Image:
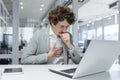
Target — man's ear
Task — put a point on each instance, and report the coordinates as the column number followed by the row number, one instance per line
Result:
column 52, row 25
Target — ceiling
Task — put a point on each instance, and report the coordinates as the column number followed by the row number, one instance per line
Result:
column 32, row 8
column 95, row 9
column 92, row 9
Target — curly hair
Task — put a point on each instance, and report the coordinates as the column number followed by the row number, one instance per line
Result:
column 61, row 13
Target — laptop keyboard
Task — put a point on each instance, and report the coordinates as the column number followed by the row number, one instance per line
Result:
column 72, row 70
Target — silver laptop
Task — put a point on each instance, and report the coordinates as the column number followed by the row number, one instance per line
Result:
column 98, row 57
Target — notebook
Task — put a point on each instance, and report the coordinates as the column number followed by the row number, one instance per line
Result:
column 99, row 57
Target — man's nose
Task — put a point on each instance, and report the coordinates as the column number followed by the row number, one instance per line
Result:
column 64, row 30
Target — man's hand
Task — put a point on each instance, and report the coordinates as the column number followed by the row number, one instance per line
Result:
column 59, row 51
column 66, row 39
column 51, row 52
column 54, row 51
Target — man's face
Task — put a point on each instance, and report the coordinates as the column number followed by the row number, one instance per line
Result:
column 60, row 27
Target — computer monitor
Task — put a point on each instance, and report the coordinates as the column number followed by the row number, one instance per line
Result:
column 86, row 44
column 7, row 41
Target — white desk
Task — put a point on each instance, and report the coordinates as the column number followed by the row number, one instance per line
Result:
column 41, row 72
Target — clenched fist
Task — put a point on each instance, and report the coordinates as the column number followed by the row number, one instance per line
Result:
column 66, row 39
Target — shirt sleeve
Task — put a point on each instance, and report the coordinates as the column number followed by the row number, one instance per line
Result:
column 74, row 55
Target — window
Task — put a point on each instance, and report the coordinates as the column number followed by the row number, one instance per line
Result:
column 111, row 32
column 91, row 34
column 99, row 33
column 84, row 35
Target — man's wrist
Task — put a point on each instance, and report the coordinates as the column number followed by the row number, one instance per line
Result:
column 70, row 47
column 49, row 56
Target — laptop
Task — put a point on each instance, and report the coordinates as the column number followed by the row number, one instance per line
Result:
column 99, row 57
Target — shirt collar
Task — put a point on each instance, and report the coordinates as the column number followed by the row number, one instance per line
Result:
column 51, row 33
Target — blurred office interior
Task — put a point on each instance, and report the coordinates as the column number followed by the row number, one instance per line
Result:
column 19, row 19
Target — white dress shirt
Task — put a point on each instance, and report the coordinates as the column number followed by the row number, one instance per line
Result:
column 54, row 40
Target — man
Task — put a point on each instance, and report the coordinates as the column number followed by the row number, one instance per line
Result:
column 53, row 45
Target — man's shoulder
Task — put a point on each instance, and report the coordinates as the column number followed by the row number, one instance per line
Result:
column 42, row 30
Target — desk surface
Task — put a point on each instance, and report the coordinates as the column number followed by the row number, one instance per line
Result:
column 41, row 72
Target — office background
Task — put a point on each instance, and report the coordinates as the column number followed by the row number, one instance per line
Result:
column 96, row 20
